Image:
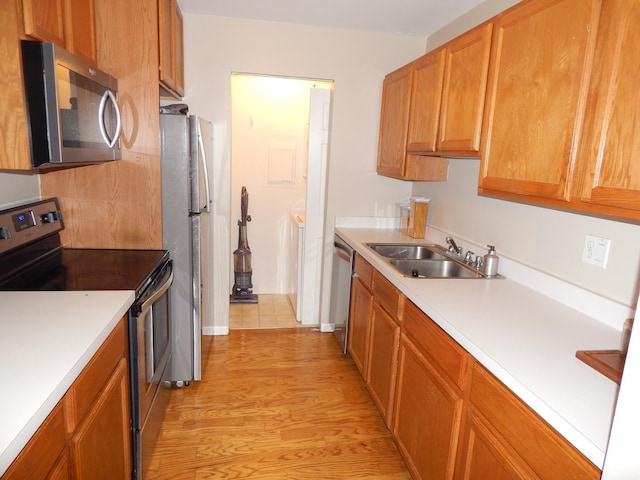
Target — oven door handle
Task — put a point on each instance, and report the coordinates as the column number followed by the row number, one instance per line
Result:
column 157, row 294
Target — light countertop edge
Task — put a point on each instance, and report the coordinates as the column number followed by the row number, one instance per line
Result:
column 47, row 340
column 526, row 339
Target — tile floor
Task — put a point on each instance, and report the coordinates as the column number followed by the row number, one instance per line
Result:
column 271, row 311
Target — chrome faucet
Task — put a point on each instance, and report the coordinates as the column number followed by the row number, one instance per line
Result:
column 453, row 246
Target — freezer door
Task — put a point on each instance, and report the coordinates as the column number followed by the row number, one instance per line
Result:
column 201, row 136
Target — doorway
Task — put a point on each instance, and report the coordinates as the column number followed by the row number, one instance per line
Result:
column 279, row 145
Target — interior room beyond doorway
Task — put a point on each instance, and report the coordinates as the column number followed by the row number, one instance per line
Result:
column 270, row 156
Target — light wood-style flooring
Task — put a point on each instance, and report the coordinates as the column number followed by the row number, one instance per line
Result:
column 275, row 404
column 271, row 311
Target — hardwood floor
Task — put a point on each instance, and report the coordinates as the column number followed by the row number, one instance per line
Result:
column 275, row 404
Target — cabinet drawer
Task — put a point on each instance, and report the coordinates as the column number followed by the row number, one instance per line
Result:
column 364, row 270
column 436, row 343
column 541, row 447
column 387, row 295
column 91, row 380
column 42, row 451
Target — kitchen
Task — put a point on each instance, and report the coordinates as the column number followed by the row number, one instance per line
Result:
column 550, row 240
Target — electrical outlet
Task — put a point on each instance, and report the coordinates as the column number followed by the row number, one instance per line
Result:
column 596, row 251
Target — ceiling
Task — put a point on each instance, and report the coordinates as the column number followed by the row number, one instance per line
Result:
column 406, row 17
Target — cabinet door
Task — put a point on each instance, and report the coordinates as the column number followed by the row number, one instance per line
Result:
column 612, row 144
column 166, row 33
column 428, row 75
column 178, row 45
column 44, row 19
column 427, row 415
column 542, row 53
column 101, row 445
column 484, row 455
column 394, row 122
column 463, row 93
column 383, row 361
column 80, row 29
column 359, row 321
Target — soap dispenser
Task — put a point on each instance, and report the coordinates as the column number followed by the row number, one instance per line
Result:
column 491, row 262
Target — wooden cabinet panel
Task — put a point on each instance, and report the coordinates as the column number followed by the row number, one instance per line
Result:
column 542, row 54
column 548, row 454
column 383, row 361
column 44, row 19
column 95, row 375
column 388, row 296
column 428, row 78
column 359, row 322
column 394, row 122
column 611, row 144
column 427, row 415
column 37, row 459
column 166, row 32
column 484, row 454
column 100, row 448
column 463, row 91
column 178, row 40
column 363, row 270
column 450, row 357
column 171, row 44
column 80, row 29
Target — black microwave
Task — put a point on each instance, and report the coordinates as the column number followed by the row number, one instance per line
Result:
column 72, row 108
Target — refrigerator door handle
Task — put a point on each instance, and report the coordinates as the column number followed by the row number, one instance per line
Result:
column 206, row 208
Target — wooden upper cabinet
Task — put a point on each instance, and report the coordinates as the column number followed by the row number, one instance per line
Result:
column 541, row 60
column 428, row 77
column 67, row 23
column 393, row 158
column 44, row 19
column 80, row 30
column 170, row 31
column 463, row 91
column 611, row 144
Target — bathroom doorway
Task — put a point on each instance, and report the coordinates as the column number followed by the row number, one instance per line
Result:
column 279, row 145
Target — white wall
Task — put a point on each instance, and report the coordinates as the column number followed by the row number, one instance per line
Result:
column 356, row 61
column 18, row 188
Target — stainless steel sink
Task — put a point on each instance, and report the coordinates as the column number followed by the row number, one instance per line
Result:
column 435, row 269
column 425, row 261
column 408, row 251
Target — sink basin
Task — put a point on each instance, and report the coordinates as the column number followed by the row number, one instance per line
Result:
column 408, row 251
column 435, row 269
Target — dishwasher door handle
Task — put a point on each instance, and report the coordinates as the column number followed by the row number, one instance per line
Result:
column 342, row 251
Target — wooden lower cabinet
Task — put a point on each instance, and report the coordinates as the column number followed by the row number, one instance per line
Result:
column 528, row 445
column 383, row 360
column 360, row 314
column 87, row 435
column 100, row 447
column 427, row 415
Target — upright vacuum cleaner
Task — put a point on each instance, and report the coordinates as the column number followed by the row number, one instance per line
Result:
column 242, row 287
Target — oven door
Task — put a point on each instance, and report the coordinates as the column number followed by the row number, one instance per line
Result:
column 150, row 358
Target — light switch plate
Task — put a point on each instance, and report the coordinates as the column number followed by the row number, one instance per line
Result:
column 596, row 250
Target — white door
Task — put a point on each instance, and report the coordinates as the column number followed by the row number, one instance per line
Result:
column 319, row 115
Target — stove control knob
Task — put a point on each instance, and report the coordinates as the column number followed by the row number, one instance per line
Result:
column 5, row 233
column 50, row 217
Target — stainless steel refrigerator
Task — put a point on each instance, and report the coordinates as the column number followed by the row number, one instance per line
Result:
column 186, row 144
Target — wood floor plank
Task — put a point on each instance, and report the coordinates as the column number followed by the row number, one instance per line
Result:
column 275, row 404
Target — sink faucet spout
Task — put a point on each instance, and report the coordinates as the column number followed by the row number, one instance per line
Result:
column 453, row 246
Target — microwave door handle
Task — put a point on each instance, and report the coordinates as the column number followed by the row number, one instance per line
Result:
column 202, row 155
column 108, row 96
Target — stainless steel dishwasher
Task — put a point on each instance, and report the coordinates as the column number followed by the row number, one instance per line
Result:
column 343, row 256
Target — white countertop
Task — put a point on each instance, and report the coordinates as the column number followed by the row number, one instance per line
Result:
column 46, row 339
column 525, row 338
